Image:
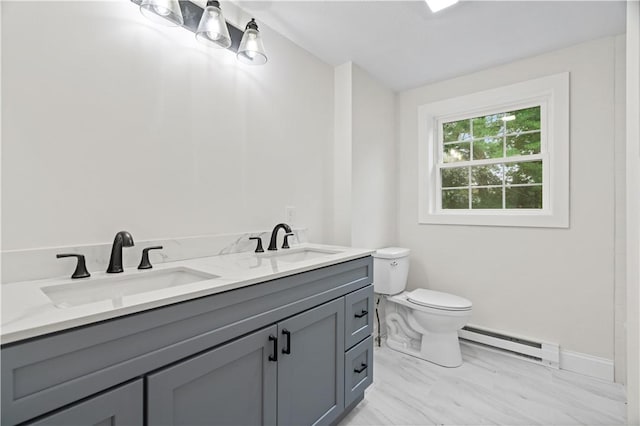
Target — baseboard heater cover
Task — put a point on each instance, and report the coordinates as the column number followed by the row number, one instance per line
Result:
column 536, row 351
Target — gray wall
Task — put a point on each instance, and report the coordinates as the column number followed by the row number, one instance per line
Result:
column 111, row 122
column 364, row 203
column 633, row 211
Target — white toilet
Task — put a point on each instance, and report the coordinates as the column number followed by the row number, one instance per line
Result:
column 423, row 323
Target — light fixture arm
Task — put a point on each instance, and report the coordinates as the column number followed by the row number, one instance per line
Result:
column 192, row 13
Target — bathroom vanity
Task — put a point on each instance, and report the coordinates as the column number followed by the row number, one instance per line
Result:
column 292, row 348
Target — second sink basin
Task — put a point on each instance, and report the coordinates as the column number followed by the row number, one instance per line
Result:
column 300, row 254
column 115, row 287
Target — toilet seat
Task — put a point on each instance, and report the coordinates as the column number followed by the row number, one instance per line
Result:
column 438, row 300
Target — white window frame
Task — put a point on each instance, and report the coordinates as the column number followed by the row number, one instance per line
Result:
column 552, row 94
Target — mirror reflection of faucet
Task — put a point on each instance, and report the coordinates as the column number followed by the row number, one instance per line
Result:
column 257, row 260
column 117, row 302
column 258, row 263
column 274, row 265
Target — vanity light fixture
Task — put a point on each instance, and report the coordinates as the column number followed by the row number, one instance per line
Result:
column 251, row 50
column 438, row 5
column 212, row 29
column 209, row 26
column 164, row 12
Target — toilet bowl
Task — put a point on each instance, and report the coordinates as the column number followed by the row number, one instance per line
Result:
column 437, row 326
column 423, row 323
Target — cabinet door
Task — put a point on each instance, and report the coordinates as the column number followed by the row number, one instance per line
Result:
column 122, row 406
column 311, row 366
column 234, row 384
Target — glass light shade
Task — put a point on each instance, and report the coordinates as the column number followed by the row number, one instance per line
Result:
column 164, row 12
column 251, row 50
column 212, row 29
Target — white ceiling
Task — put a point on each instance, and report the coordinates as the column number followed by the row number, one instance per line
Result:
column 404, row 45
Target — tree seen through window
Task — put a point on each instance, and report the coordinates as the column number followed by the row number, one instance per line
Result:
column 485, row 165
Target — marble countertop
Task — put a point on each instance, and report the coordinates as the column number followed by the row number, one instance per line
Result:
column 28, row 312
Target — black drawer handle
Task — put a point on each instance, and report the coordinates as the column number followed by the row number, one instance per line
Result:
column 363, row 367
column 287, row 349
column 274, row 339
column 361, row 314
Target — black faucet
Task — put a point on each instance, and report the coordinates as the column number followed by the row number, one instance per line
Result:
column 274, row 235
column 122, row 239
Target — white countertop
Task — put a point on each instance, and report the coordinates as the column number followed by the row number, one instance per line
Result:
column 28, row 312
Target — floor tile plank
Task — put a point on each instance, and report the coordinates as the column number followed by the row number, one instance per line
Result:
column 489, row 388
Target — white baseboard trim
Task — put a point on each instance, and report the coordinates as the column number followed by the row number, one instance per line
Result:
column 588, row 365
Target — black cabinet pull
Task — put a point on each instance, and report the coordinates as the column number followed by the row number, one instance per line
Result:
column 363, row 367
column 287, row 349
column 274, row 339
column 81, row 266
column 361, row 314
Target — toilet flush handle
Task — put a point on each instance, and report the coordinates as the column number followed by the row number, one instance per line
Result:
column 394, row 263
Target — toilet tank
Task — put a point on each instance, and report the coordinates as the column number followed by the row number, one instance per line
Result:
column 390, row 270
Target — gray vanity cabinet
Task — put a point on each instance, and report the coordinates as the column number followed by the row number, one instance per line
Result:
column 121, row 406
column 311, row 366
column 238, row 383
column 206, row 361
column 234, row 384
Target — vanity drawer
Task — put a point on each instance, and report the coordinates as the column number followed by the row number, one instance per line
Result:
column 358, row 374
column 358, row 320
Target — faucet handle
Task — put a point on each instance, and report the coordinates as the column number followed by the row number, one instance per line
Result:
column 285, row 243
column 144, row 262
column 81, row 266
column 259, row 248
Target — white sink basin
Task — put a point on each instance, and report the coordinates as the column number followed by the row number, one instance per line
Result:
column 300, row 254
column 116, row 287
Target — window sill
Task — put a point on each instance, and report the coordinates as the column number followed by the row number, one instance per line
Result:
column 488, row 218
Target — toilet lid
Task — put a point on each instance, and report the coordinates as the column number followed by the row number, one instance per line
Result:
column 391, row 253
column 439, row 300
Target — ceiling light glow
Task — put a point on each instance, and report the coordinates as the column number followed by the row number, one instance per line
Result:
column 438, row 5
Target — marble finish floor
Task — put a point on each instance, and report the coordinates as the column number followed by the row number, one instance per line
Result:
column 489, row 388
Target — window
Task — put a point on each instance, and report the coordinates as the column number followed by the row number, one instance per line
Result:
column 498, row 157
column 492, row 162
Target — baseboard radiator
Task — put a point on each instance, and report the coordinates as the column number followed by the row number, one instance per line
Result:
column 535, row 351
